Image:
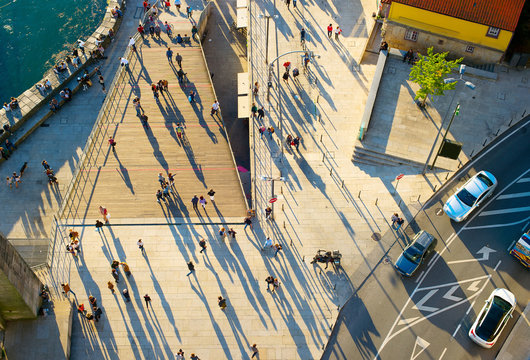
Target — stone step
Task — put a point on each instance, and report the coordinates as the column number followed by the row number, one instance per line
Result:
column 382, row 158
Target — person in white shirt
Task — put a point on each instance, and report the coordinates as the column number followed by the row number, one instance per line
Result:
column 215, row 107
column 132, row 44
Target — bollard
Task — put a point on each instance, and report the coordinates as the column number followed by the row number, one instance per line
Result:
column 283, row 208
column 320, row 138
column 323, row 157
column 510, row 123
column 303, row 258
column 376, row 201
column 291, row 242
column 471, row 155
column 343, row 184
column 359, row 196
column 331, row 172
column 320, row 117
column 281, row 190
column 284, row 224
column 497, row 133
column 434, row 190
column 524, row 112
column 399, row 205
column 419, row 197
column 446, row 176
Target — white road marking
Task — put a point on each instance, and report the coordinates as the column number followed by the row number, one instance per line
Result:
column 513, row 196
column 504, row 211
column 422, row 343
column 475, row 280
column 470, row 307
column 525, row 225
column 457, row 328
column 473, row 286
column 449, row 294
column 485, row 251
column 407, row 321
column 419, row 277
column 443, row 353
column 523, row 180
column 497, row 225
column 432, row 259
column 424, row 299
column 449, row 241
column 496, row 266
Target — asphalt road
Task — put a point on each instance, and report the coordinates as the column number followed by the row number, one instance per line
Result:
column 428, row 316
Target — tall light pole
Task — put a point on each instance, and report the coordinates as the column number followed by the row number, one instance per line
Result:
column 470, row 85
column 272, row 179
column 268, row 17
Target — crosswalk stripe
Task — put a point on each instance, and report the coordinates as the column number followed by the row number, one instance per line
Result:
column 512, row 196
column 505, row 211
column 523, row 180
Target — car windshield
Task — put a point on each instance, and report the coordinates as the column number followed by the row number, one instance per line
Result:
column 466, row 197
column 412, row 254
column 490, row 325
column 486, row 180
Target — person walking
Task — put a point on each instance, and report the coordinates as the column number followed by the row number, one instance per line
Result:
column 285, row 77
column 189, row 12
column 110, row 285
column 147, row 300
column 330, row 30
column 202, row 244
column 161, row 179
column 268, row 213
column 194, row 357
column 191, row 267
column 140, row 245
column 132, row 44
column 191, row 97
column 126, row 268
column 93, row 301
column 294, row 5
column 203, row 202
column 115, row 275
column 394, row 218
column 232, row 233
column 211, row 194
column 254, row 110
column 180, row 355
column 177, row 5
column 302, row 35
column 270, row 281
column 159, row 196
column 338, row 31
column 66, row 289
column 288, row 2
column 248, row 222
column 97, row 313
column 169, row 54
column 215, row 108
column 178, row 58
column 256, row 89
column 222, row 233
column 104, row 212
column 221, row 302
column 254, row 347
column 270, row 130
column 278, row 247
column 261, row 113
column 126, row 295
column 268, row 243
column 275, row 284
column 171, row 179
column 195, row 201
column 112, row 144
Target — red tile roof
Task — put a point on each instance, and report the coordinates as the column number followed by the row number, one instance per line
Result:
column 503, row 14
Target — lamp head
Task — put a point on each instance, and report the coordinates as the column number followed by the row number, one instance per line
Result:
column 470, row 85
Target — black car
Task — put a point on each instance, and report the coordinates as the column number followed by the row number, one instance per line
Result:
column 422, row 246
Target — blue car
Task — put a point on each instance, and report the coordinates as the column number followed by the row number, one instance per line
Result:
column 421, row 247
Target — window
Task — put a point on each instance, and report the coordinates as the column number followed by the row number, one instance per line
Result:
column 411, row 35
column 493, row 32
column 470, row 49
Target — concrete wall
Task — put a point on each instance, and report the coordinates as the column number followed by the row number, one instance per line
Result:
column 394, row 35
column 19, row 286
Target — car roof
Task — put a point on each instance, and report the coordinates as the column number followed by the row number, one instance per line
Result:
column 423, row 238
column 475, row 186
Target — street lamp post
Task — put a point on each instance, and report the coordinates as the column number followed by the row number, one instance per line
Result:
column 455, row 112
column 272, row 179
column 268, row 17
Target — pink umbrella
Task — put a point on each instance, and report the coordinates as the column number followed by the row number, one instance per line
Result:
column 242, row 169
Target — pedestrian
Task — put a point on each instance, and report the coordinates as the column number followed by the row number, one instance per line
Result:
column 125, row 63
column 179, row 355
column 278, row 247
column 189, row 12
column 275, row 284
column 99, row 225
column 97, row 313
column 302, row 33
column 294, row 5
column 248, row 222
column 126, row 295
column 338, row 31
column 140, row 245
column 178, row 58
column 261, row 130
column 104, row 212
column 285, row 77
column 288, row 2
column 261, row 113
column 126, row 268
column 166, row 192
column 112, row 144
column 296, row 142
column 161, row 179
column 89, row 316
column 102, row 82
column 45, row 165
column 5, row 153
column 222, row 232
column 9, row 182
column 394, row 219
column 147, row 300
column 169, row 54
column 400, row 222
column 171, row 179
column 71, row 250
column 270, row 130
column 191, row 267
column 211, row 194
column 93, row 301
column 66, row 288
column 254, row 347
column 221, row 302
column 202, row 244
column 141, row 30
column 177, row 5
column 296, row 72
column 268, row 213
column 81, row 308
column 132, row 44
column 232, row 233
column 194, row 33
column 330, row 30
column 215, row 108
column 115, row 275
column 115, row 264
column 254, row 110
column 203, row 202
column 270, row 281
column 75, row 245
column 110, row 285
column 268, row 243
column 256, row 89
column 194, row 357
column 191, row 97
column 159, row 196
column 9, row 146
column 195, row 201
column 180, row 131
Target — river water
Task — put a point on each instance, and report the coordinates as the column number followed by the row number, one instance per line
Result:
column 34, row 34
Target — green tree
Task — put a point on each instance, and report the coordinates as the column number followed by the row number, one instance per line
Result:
column 429, row 73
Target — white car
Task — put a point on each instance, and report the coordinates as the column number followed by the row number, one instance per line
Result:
column 492, row 318
column 469, row 196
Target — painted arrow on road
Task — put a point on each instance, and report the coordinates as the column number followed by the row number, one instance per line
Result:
column 485, row 252
column 419, row 304
column 422, row 344
column 449, row 294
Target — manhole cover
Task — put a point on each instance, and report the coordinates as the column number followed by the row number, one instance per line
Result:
column 386, row 261
column 439, row 211
column 376, row 236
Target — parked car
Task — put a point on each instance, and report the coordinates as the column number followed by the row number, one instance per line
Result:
column 521, row 250
column 470, row 195
column 421, row 247
column 493, row 318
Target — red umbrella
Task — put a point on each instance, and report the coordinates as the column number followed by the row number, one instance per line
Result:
column 287, row 63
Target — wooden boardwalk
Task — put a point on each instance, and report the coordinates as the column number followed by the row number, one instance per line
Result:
column 125, row 182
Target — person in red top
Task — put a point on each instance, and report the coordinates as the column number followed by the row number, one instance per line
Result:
column 141, row 30
column 330, row 30
column 146, row 6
